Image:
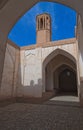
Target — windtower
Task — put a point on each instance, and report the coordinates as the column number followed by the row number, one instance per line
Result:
column 43, row 28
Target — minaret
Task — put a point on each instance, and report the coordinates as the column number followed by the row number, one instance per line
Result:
column 43, row 28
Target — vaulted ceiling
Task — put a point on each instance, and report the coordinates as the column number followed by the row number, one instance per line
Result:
column 2, row 3
column 12, row 10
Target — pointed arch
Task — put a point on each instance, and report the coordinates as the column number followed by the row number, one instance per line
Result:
column 55, row 53
column 53, row 61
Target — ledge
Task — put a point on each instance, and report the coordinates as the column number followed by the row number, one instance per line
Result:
column 50, row 44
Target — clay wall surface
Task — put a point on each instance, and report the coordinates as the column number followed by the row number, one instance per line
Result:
column 43, row 36
column 32, row 58
column 10, row 71
column 22, row 74
column 30, row 73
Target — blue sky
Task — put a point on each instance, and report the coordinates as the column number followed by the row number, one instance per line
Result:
column 63, row 23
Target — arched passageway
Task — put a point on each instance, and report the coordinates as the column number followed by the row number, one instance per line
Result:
column 66, row 80
column 60, row 73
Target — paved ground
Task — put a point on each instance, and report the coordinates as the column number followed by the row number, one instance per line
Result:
column 66, row 98
column 49, row 115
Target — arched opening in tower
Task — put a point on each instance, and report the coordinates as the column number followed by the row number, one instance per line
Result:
column 41, row 23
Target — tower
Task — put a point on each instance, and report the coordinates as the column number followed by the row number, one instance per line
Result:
column 43, row 28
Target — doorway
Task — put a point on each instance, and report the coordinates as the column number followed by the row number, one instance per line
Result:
column 65, row 80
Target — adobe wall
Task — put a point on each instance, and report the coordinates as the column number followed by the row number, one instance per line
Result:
column 80, row 55
column 10, row 71
column 30, row 74
column 22, row 74
column 32, row 58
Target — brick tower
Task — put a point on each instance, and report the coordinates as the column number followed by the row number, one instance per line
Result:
column 43, row 28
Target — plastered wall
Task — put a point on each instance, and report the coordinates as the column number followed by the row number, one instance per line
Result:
column 23, row 68
column 31, row 61
column 10, row 71
column 30, row 74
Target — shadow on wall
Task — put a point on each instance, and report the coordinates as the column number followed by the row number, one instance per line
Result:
column 14, row 72
column 13, row 77
column 29, row 81
column 9, row 72
column 30, row 89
